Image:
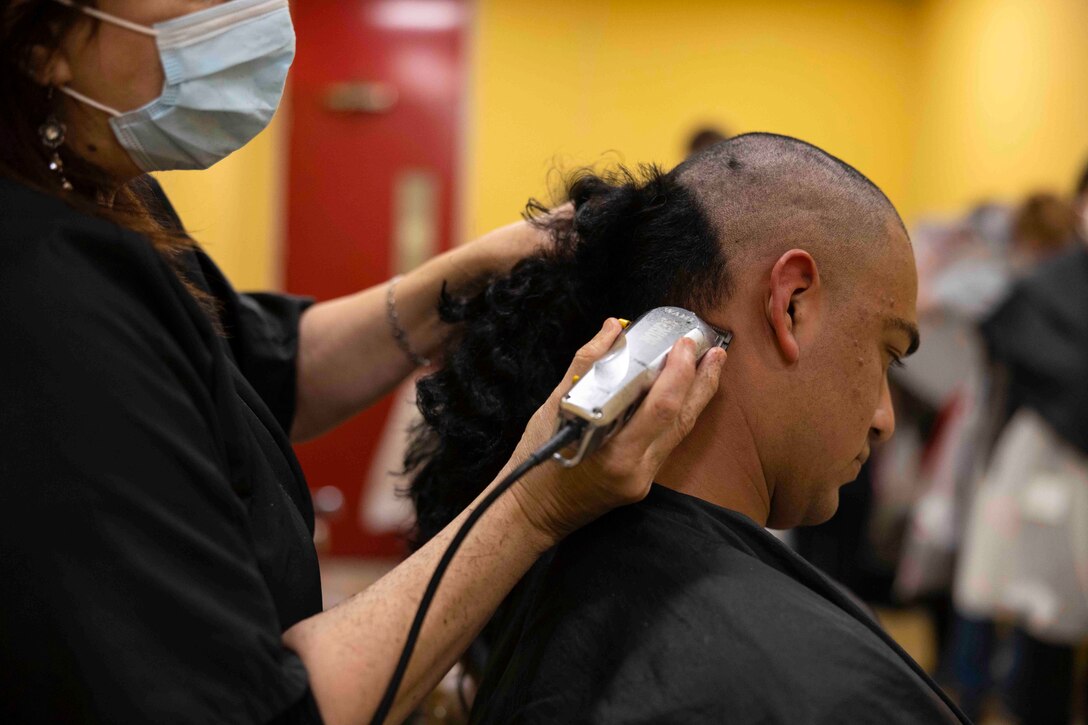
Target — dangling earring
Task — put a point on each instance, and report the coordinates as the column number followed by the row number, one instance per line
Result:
column 52, row 134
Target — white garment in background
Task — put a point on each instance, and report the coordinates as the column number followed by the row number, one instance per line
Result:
column 1025, row 552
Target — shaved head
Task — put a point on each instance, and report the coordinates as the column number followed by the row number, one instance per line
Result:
column 764, row 194
column 818, row 284
column 794, row 251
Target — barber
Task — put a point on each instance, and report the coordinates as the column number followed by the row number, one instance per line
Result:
column 155, row 529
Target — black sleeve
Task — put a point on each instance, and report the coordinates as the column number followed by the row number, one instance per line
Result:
column 262, row 328
column 262, row 332
column 131, row 587
column 264, row 341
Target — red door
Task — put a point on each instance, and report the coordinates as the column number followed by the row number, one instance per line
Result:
column 377, row 89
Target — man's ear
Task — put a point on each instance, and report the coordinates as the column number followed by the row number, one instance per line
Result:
column 795, row 283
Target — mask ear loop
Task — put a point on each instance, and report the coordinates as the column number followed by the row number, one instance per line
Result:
column 89, row 101
column 113, row 19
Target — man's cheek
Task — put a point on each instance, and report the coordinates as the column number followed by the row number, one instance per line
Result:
column 860, row 402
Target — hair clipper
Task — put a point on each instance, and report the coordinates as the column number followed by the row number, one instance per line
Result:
column 606, row 397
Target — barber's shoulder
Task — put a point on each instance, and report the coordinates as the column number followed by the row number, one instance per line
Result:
column 68, row 276
column 45, row 240
column 28, row 214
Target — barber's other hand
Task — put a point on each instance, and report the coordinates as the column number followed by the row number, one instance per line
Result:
column 499, row 250
column 559, row 500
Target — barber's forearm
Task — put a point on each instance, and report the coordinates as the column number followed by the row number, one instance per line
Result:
column 348, row 357
column 351, row 650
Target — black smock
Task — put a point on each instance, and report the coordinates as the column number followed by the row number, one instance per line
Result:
column 155, row 527
column 675, row 610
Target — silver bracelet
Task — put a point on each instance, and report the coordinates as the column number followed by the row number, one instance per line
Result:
column 394, row 323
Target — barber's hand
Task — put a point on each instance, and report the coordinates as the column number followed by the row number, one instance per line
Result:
column 499, row 250
column 559, row 500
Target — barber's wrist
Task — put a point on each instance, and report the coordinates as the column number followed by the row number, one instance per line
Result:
column 530, row 517
column 554, row 505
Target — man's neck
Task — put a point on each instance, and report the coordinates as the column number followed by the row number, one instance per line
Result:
column 718, row 462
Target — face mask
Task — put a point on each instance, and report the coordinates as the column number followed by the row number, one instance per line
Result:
column 225, row 69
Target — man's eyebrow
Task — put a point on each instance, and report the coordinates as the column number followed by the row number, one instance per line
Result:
column 898, row 323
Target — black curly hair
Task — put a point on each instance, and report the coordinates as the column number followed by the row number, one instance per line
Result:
column 636, row 240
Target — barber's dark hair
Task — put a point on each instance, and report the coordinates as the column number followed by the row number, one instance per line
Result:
column 30, row 26
column 636, row 240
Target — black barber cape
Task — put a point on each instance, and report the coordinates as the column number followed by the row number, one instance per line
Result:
column 155, row 528
column 1039, row 335
column 675, row 610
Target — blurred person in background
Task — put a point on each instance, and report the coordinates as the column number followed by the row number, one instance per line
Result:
column 1024, row 555
column 1044, row 226
column 705, row 137
column 1080, row 205
column 893, row 540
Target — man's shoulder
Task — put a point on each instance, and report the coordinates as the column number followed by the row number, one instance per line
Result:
column 683, row 608
column 686, row 567
column 670, row 517
column 641, row 591
column 671, row 540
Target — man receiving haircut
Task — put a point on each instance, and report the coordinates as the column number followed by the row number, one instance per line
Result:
column 682, row 608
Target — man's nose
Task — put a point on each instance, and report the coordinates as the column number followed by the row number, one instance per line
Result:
column 883, row 425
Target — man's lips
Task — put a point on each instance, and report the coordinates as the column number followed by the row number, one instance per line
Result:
column 863, row 457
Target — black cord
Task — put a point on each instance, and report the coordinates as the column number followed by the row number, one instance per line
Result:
column 566, row 435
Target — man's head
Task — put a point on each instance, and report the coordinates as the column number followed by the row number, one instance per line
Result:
column 821, row 298
column 797, row 253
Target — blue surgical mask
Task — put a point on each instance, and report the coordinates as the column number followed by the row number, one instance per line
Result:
column 225, row 69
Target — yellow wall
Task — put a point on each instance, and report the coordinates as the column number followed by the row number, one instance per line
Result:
column 1003, row 107
column 941, row 102
column 235, row 209
column 559, row 83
